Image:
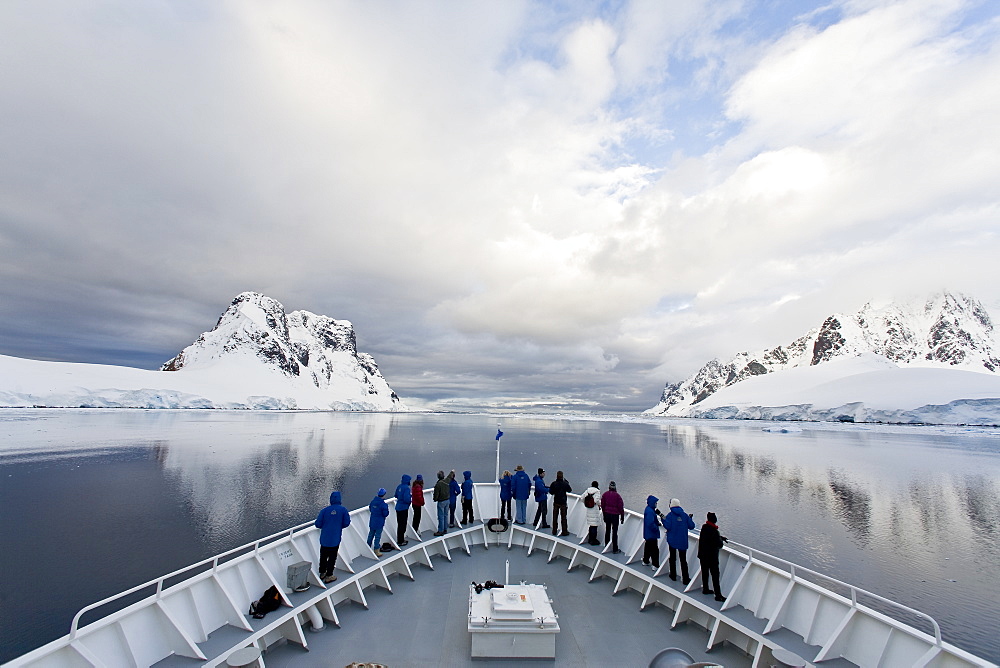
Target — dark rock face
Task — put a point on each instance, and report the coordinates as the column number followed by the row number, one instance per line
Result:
column 828, row 341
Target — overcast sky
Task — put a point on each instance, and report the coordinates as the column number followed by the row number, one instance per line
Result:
column 515, row 203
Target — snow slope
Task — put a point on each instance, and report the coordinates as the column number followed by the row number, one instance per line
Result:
column 256, row 357
column 866, row 388
column 932, row 360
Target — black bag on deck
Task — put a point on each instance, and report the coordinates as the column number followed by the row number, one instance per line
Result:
column 269, row 602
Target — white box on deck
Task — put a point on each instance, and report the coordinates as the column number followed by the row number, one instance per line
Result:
column 516, row 621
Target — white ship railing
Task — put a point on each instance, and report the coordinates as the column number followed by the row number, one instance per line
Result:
column 158, row 582
column 794, row 569
column 178, row 618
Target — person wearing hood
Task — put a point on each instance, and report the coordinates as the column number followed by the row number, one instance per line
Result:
column 559, row 488
column 378, row 510
column 331, row 522
column 592, row 502
column 614, row 513
column 467, row 517
column 542, row 499
column 709, row 543
column 678, row 523
column 521, row 487
column 403, row 500
column 454, row 491
column 417, row 497
column 651, row 533
column 441, row 498
column 506, row 494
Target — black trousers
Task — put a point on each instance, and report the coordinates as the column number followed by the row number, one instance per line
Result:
column 401, row 518
column 651, row 552
column 467, row 511
column 611, row 530
column 710, row 567
column 327, row 559
column 416, row 518
column 542, row 513
column 559, row 510
column 684, row 563
column 451, row 514
column 505, row 508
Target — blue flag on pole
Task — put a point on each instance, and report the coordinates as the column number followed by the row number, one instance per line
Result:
column 499, row 434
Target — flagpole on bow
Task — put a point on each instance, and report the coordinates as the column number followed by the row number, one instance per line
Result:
column 499, row 434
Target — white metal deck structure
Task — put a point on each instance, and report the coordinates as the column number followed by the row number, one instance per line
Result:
column 198, row 616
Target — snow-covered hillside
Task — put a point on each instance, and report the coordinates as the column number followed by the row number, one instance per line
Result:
column 255, row 357
column 933, row 361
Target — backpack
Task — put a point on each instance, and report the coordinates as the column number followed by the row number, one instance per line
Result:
column 588, row 501
column 269, row 602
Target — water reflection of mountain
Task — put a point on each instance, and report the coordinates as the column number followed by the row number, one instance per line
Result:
column 272, row 472
column 928, row 501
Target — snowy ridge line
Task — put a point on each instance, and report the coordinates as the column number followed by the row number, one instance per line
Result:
column 961, row 412
column 899, row 358
column 177, row 620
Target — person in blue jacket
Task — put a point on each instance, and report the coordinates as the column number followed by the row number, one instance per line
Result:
column 378, row 510
column 403, row 499
column 506, row 494
column 521, row 487
column 467, row 515
column 651, row 533
column 542, row 498
column 331, row 522
column 454, row 491
column 678, row 523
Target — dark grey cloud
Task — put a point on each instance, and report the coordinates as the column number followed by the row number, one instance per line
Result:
column 514, row 203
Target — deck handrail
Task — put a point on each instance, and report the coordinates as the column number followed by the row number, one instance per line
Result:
column 255, row 545
column 792, row 568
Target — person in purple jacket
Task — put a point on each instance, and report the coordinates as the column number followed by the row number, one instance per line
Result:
column 331, row 522
column 614, row 513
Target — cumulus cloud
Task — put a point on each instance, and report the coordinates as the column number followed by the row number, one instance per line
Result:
column 513, row 202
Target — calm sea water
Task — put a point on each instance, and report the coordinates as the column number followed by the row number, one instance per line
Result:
column 94, row 502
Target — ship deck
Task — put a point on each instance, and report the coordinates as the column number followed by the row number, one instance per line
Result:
column 424, row 622
column 412, row 607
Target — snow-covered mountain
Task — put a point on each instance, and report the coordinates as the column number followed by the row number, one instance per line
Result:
column 948, row 333
column 256, row 356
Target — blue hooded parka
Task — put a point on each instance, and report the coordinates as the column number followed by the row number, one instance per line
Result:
column 455, row 490
column 650, row 523
column 505, row 491
column 331, row 522
column 467, row 485
column 379, row 510
column 403, row 494
column 677, row 523
column 521, row 486
column 541, row 489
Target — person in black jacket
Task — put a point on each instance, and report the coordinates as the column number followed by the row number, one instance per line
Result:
column 558, row 489
column 709, row 544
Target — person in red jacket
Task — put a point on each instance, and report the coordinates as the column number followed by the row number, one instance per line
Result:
column 417, row 499
column 614, row 512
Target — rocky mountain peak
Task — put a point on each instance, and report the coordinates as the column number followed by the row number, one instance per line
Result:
column 946, row 329
column 316, row 348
